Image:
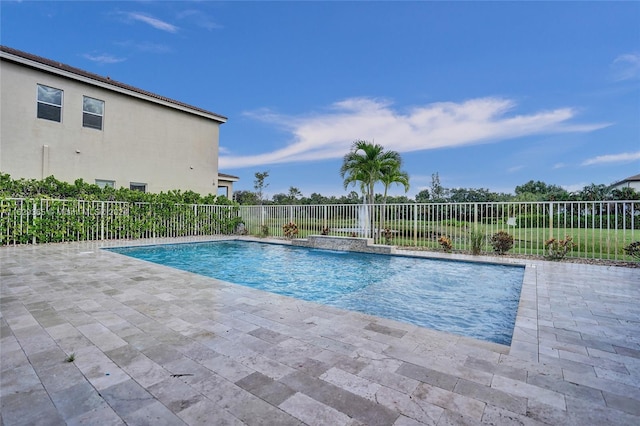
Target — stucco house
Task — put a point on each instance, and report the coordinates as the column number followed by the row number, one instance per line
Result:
column 630, row 182
column 59, row 120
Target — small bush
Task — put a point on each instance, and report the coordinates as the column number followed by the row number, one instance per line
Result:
column 290, row 230
column 633, row 250
column 445, row 243
column 502, row 242
column 387, row 234
column 477, row 238
column 264, row 231
column 558, row 249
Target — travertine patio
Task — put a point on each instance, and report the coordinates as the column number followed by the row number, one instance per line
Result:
column 154, row 345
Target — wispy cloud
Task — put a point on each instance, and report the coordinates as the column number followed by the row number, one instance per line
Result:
column 145, row 46
column 626, row 67
column 150, row 20
column 625, row 157
column 200, row 19
column 330, row 134
column 104, row 58
column 515, row 169
column 559, row 166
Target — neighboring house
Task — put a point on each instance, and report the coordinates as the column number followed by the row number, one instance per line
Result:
column 62, row 121
column 630, row 182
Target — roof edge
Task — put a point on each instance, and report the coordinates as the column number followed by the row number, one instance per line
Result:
column 48, row 65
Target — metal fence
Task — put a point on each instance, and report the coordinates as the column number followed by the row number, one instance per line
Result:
column 34, row 221
column 598, row 230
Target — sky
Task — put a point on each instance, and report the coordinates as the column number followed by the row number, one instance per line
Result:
column 485, row 94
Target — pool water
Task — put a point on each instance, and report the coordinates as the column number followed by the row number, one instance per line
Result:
column 471, row 299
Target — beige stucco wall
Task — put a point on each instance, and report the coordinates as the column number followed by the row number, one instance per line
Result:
column 141, row 141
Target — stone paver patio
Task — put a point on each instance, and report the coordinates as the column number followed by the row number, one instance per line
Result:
column 155, row 346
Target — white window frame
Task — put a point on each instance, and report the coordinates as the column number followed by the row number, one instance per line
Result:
column 138, row 184
column 38, row 102
column 93, row 113
column 104, row 183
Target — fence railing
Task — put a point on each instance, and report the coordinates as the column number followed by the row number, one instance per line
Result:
column 599, row 229
column 44, row 220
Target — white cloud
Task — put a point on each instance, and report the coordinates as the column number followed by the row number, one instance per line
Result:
column 515, row 169
column 626, row 67
column 104, row 58
column 330, row 134
column 150, row 20
column 575, row 187
column 559, row 166
column 625, row 157
column 200, row 19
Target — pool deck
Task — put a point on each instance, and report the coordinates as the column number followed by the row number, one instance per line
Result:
column 158, row 346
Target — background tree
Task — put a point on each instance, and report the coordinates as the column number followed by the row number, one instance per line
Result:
column 260, row 185
column 438, row 192
column 541, row 192
column 593, row 192
column 293, row 194
column 423, row 196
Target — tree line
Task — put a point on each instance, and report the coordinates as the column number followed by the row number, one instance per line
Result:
column 368, row 164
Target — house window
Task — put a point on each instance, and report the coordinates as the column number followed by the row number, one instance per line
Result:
column 49, row 103
column 102, row 183
column 135, row 186
column 92, row 112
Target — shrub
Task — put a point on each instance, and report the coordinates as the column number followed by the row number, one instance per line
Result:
column 477, row 238
column 446, row 244
column 387, row 234
column 264, row 231
column 290, row 230
column 557, row 249
column 502, row 242
column 633, row 250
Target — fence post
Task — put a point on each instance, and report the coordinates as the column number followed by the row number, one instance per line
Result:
column 324, row 217
column 550, row 219
column 33, row 219
column 475, row 215
column 415, row 225
column 102, row 219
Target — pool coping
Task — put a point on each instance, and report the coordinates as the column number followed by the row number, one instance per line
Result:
column 574, row 356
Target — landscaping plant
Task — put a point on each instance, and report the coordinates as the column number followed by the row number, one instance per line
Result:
column 445, row 243
column 477, row 238
column 290, row 230
column 502, row 242
column 557, row 249
column 633, row 250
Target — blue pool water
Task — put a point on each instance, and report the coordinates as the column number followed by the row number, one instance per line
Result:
column 471, row 299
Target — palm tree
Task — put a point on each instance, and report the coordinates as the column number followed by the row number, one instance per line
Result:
column 366, row 163
column 394, row 175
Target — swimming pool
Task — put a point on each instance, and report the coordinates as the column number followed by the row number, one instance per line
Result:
column 471, row 299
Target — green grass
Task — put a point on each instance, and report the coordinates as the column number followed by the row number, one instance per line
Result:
column 590, row 243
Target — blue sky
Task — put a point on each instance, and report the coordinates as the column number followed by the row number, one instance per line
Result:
column 486, row 94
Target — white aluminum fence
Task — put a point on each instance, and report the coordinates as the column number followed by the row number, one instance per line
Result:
column 44, row 220
column 599, row 230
